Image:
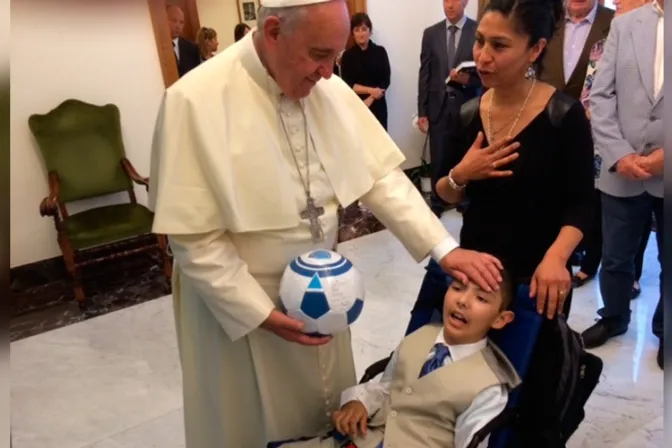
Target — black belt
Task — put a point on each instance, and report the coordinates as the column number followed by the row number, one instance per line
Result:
column 451, row 92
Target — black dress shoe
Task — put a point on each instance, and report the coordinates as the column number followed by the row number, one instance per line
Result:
column 601, row 332
column 660, row 357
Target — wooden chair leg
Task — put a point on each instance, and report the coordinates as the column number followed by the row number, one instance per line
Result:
column 167, row 264
column 71, row 266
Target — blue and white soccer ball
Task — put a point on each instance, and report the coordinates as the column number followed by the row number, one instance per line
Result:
column 323, row 290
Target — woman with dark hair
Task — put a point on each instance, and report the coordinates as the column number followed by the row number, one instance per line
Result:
column 366, row 67
column 240, row 31
column 522, row 154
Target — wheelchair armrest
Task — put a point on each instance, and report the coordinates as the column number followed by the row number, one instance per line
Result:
column 375, row 369
column 504, row 419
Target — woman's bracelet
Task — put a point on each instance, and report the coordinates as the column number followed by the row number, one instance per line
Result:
column 454, row 185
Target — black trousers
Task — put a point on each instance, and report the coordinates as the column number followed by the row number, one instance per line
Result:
column 436, row 141
column 623, row 222
column 438, row 130
column 592, row 243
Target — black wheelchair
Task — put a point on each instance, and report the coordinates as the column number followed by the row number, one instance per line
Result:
column 518, row 341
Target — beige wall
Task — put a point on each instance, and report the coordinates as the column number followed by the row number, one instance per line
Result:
column 98, row 52
column 222, row 15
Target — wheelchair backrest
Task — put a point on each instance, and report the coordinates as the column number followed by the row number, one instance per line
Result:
column 517, row 340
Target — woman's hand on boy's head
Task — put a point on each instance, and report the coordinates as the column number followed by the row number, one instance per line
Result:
column 352, row 419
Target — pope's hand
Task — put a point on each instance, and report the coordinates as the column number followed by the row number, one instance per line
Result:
column 465, row 265
column 290, row 329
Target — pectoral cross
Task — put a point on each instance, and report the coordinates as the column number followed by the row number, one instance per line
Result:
column 313, row 213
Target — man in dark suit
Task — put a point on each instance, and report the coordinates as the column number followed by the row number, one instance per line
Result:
column 187, row 55
column 566, row 61
column 442, row 90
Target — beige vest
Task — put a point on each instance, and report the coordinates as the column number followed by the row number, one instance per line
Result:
column 404, row 419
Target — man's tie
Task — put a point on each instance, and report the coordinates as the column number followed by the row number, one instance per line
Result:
column 441, row 352
column 451, row 46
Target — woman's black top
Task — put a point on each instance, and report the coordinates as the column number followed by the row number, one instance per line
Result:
column 370, row 68
column 518, row 218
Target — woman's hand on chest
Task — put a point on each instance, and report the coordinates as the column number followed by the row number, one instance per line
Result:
column 486, row 163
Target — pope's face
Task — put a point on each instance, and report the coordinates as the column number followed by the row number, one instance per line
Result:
column 299, row 57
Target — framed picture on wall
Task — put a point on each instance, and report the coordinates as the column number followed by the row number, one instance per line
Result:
column 247, row 11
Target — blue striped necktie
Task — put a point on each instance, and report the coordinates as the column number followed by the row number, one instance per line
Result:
column 441, row 352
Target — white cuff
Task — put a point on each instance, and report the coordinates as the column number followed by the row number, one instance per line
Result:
column 443, row 248
column 348, row 395
column 371, row 395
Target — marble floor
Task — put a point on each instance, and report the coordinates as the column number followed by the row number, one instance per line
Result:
column 113, row 381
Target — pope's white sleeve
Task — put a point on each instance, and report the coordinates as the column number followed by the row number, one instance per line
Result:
column 398, row 204
column 221, row 279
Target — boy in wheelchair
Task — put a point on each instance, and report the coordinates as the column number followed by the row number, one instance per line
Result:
column 468, row 386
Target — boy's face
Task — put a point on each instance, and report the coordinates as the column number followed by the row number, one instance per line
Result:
column 469, row 313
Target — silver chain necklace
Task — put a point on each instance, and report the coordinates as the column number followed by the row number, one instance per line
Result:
column 312, row 213
column 491, row 134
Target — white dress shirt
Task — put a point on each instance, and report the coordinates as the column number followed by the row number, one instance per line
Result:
column 486, row 406
column 659, row 64
column 176, row 47
column 576, row 35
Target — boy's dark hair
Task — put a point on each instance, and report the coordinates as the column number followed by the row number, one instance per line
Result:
column 508, row 288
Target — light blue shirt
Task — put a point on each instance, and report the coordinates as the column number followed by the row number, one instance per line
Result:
column 576, row 34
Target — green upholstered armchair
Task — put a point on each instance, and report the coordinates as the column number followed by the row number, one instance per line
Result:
column 83, row 150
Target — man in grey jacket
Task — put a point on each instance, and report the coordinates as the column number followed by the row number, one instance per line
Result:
column 627, row 119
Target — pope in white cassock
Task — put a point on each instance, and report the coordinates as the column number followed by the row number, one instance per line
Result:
column 253, row 152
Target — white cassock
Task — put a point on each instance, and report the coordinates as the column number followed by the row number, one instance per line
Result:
column 226, row 189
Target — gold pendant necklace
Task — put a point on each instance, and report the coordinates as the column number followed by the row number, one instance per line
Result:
column 491, row 133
